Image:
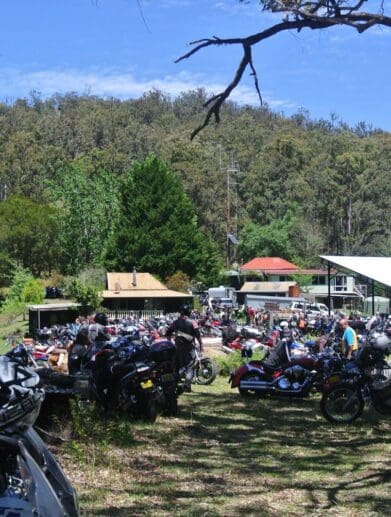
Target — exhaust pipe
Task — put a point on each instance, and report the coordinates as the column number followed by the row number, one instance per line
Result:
column 254, row 385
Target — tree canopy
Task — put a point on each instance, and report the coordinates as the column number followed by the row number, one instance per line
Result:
column 157, row 227
column 60, row 205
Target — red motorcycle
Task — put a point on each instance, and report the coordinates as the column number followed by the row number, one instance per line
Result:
column 298, row 377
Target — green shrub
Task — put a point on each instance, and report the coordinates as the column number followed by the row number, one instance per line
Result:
column 229, row 363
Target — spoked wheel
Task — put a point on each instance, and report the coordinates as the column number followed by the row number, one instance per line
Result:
column 251, row 376
column 206, row 371
column 342, row 404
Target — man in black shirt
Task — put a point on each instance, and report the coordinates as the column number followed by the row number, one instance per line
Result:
column 186, row 332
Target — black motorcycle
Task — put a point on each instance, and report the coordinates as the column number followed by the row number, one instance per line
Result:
column 367, row 378
column 122, row 380
column 162, row 355
column 31, row 480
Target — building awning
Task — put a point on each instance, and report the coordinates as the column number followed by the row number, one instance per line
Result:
column 374, row 268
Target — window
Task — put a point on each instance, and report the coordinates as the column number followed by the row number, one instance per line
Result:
column 341, row 283
column 319, row 280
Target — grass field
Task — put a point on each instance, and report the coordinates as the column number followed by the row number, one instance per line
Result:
column 227, row 456
column 10, row 326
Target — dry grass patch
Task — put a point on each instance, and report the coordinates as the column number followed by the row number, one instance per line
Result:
column 228, row 456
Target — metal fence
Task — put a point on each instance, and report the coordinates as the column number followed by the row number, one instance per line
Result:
column 127, row 314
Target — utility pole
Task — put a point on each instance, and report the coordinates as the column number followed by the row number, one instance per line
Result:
column 232, row 172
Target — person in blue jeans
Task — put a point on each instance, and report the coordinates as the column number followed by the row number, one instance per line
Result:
column 349, row 338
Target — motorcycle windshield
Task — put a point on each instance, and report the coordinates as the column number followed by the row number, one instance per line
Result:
column 54, row 473
column 40, row 493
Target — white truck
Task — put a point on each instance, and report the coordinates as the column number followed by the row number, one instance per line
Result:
column 222, row 295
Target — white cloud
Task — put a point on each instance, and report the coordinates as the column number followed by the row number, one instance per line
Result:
column 113, row 83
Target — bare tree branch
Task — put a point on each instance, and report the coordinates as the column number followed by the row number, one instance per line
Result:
column 298, row 15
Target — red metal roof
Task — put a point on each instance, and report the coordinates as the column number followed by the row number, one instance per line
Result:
column 269, row 264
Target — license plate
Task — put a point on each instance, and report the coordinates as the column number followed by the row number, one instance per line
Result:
column 333, row 379
column 146, row 384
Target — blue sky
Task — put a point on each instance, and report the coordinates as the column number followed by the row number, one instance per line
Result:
column 108, row 48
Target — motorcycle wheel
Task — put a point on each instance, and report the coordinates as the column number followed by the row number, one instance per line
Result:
column 251, row 376
column 342, row 404
column 206, row 371
column 149, row 412
column 171, row 408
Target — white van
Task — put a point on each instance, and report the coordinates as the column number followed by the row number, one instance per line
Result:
column 297, row 307
column 311, row 309
column 317, row 309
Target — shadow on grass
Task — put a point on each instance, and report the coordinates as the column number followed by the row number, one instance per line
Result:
column 225, row 455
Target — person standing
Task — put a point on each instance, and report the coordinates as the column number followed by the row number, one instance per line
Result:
column 186, row 333
column 349, row 338
column 97, row 333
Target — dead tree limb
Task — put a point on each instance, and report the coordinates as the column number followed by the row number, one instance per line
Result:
column 298, row 15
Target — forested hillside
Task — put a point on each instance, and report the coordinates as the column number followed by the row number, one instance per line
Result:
column 301, row 186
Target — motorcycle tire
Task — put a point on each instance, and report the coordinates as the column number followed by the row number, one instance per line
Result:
column 49, row 376
column 149, row 411
column 248, row 377
column 205, row 372
column 343, row 404
column 171, row 408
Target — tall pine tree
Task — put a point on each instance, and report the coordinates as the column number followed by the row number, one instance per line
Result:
column 157, row 229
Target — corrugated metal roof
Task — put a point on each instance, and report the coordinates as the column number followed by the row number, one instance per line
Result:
column 54, row 306
column 120, row 285
column 266, row 287
column 124, row 281
column 375, row 268
column 145, row 293
column 268, row 263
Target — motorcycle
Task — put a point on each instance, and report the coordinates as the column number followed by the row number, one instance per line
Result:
column 162, row 353
column 297, row 377
column 121, row 379
column 367, row 378
column 203, row 370
column 31, row 480
column 53, row 382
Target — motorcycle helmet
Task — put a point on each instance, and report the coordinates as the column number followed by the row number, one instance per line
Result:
column 20, row 399
column 185, row 310
column 284, row 324
column 101, row 318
